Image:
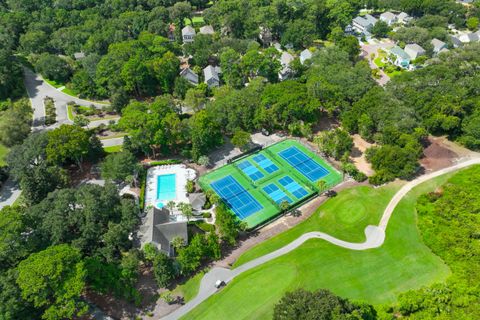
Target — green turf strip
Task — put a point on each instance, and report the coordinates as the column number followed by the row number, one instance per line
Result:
column 377, row 276
column 255, row 188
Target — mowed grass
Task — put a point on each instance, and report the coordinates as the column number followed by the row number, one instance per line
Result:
column 376, row 276
column 113, row 149
column 3, row 155
column 189, row 289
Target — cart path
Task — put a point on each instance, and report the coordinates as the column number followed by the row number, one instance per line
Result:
column 375, row 236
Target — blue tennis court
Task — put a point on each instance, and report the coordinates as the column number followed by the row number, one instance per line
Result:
column 294, row 188
column 276, row 194
column 302, row 163
column 250, row 170
column 236, row 197
column 265, row 163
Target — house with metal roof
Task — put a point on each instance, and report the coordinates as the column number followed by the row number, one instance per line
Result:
column 305, row 55
column 188, row 34
column 212, row 76
column 438, row 45
column 388, row 17
column 414, row 51
column 400, row 57
column 206, row 30
column 404, row 18
column 363, row 24
column 189, row 75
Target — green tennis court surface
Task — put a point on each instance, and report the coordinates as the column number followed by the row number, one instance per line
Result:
column 253, row 187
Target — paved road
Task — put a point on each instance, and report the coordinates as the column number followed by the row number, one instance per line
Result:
column 38, row 90
column 375, row 236
column 9, row 193
column 112, row 142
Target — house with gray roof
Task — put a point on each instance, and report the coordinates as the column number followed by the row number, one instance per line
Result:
column 470, row 37
column 79, row 55
column 400, row 57
column 162, row 229
column 455, row 41
column 363, row 24
column 212, row 76
column 285, row 60
column 206, row 30
column 438, row 45
column 305, row 55
column 414, row 51
column 404, row 18
column 388, row 17
column 197, row 200
column 188, row 34
column 189, row 75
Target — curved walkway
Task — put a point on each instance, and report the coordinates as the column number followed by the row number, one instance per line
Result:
column 375, row 236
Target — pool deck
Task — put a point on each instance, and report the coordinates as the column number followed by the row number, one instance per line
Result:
column 182, row 174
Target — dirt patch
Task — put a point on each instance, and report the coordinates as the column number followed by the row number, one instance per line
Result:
column 442, row 153
column 358, row 155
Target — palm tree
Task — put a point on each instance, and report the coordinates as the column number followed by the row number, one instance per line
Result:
column 284, row 205
column 322, row 186
column 186, row 210
column 171, row 205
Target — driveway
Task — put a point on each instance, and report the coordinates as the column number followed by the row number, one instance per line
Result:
column 375, row 236
column 9, row 192
column 372, row 48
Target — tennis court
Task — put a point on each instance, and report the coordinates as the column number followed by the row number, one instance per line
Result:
column 305, row 165
column 236, row 197
column 254, row 186
column 276, row 194
column 250, row 170
column 293, row 187
column 265, row 163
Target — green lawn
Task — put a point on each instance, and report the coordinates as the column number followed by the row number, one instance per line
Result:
column 378, row 62
column 197, row 21
column 3, row 155
column 189, row 289
column 113, row 149
column 54, row 83
column 70, row 92
column 375, row 276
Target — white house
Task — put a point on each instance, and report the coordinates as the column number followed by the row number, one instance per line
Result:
column 189, row 75
column 388, row 17
column 305, row 55
column 414, row 51
column 285, row 60
column 438, row 46
column 212, row 76
column 206, row 30
column 400, row 57
column 404, row 18
column 188, row 34
column 363, row 24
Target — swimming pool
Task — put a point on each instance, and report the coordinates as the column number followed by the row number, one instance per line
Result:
column 166, row 187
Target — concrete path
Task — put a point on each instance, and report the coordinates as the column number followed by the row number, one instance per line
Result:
column 112, row 142
column 373, row 48
column 375, row 236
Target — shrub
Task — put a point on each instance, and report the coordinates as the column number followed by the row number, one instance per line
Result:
column 50, row 112
column 164, row 162
column 206, row 215
column 190, row 186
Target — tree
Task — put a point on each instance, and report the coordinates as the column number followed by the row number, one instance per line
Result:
column 171, row 206
column 118, row 166
column 15, row 123
column 322, row 186
column 54, row 279
column 321, row 304
column 81, row 121
column 203, row 161
column 334, row 143
column 241, row 139
column 68, row 143
column 53, row 67
column 381, row 29
column 12, row 306
column 205, row 133
column 13, row 247
column 227, row 224
column 186, row 210
column 350, row 45
column 163, row 270
column 195, row 98
column 472, row 23
column 284, row 206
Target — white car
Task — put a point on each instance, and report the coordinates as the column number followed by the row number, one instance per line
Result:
column 219, row 283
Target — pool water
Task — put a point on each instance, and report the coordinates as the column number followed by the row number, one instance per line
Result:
column 166, row 187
